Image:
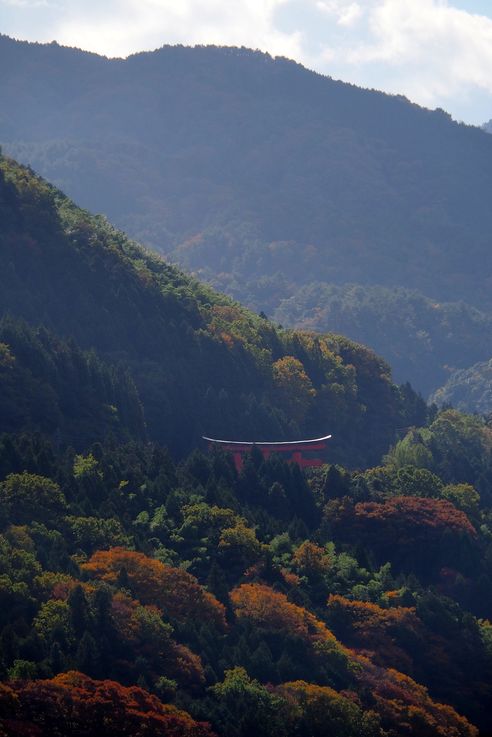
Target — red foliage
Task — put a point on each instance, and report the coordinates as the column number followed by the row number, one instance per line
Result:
column 411, row 511
column 413, row 533
column 76, row 705
column 174, row 591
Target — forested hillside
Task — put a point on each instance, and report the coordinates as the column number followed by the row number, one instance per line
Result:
column 469, row 390
column 419, row 337
column 51, row 386
column 262, row 177
column 145, row 593
column 144, row 598
column 201, row 363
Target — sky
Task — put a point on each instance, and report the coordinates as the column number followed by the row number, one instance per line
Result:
column 436, row 52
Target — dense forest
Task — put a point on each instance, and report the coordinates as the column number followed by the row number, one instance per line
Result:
column 140, row 597
column 469, row 390
column 150, row 591
column 264, row 178
column 199, row 362
column 392, row 322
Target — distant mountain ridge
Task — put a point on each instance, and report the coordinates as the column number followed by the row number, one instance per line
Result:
column 260, row 176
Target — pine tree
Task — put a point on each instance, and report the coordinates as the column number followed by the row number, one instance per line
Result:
column 87, row 656
column 261, row 665
column 79, row 611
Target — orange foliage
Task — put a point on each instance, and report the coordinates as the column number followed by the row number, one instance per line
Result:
column 221, row 323
column 61, row 590
column 173, row 590
column 272, row 610
column 292, row 579
column 406, row 708
column 385, row 633
column 393, row 594
column 403, row 705
column 307, row 691
column 134, row 623
column 326, row 711
column 76, row 705
column 227, row 339
column 311, row 559
column 365, row 614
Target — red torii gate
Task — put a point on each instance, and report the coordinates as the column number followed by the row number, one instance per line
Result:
column 295, row 448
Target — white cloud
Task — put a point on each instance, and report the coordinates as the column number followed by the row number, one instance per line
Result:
column 351, row 15
column 345, row 13
column 126, row 26
column 26, row 3
column 430, row 50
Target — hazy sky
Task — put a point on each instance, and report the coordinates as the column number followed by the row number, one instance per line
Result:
column 436, row 52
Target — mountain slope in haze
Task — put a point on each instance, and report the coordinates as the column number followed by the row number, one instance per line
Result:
column 201, row 363
column 192, row 139
column 260, row 176
column 416, row 335
column 469, row 390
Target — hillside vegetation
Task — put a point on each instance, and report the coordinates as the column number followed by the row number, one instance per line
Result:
column 145, row 593
column 261, row 177
column 469, row 390
column 419, row 337
column 144, row 598
column 201, row 363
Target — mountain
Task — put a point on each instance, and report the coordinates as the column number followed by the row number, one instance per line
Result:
column 50, row 386
column 151, row 593
column 263, row 177
column 416, row 335
column 201, row 364
column 469, row 390
column 487, row 127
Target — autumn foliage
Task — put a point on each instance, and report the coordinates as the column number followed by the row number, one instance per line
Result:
column 396, row 698
column 323, row 712
column 76, row 705
column 272, row 610
column 415, row 533
column 143, row 631
column 311, row 560
column 416, row 512
column 405, row 706
column 173, row 590
column 387, row 634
